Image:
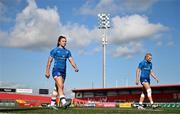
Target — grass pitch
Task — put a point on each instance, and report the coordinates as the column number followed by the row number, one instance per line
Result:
column 90, row 111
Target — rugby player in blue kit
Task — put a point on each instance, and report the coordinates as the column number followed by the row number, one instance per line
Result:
column 60, row 54
column 143, row 73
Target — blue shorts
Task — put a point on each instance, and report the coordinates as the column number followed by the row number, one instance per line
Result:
column 56, row 72
column 143, row 80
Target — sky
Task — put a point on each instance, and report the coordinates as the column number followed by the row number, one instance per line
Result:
column 29, row 29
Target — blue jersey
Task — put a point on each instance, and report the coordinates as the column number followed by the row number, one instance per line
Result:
column 145, row 68
column 60, row 56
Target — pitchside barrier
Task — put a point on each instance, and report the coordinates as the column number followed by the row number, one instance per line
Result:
column 125, row 105
column 7, row 103
column 93, row 104
column 19, row 103
column 101, row 104
column 120, row 105
column 105, row 105
column 162, row 105
column 170, row 105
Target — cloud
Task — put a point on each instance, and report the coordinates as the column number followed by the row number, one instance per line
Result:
column 5, row 7
column 128, row 50
column 93, row 51
column 38, row 28
column 133, row 28
column 3, row 35
column 170, row 43
column 79, row 35
column 130, row 31
column 116, row 6
column 135, row 6
column 34, row 27
column 103, row 6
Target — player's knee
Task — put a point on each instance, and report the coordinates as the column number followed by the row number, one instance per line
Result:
column 149, row 92
column 142, row 95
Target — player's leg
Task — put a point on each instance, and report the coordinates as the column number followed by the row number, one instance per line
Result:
column 59, row 77
column 53, row 96
column 68, row 103
column 149, row 92
column 53, row 99
column 60, row 84
column 140, row 106
column 141, row 100
column 57, row 99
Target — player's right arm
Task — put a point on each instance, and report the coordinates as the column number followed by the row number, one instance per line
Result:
column 50, row 59
column 137, row 76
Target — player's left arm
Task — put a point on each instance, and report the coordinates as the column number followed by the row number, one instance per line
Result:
column 154, row 76
column 71, row 60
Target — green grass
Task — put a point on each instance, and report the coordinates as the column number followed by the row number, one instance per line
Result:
column 91, row 111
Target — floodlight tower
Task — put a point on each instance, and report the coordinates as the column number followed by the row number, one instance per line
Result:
column 104, row 24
